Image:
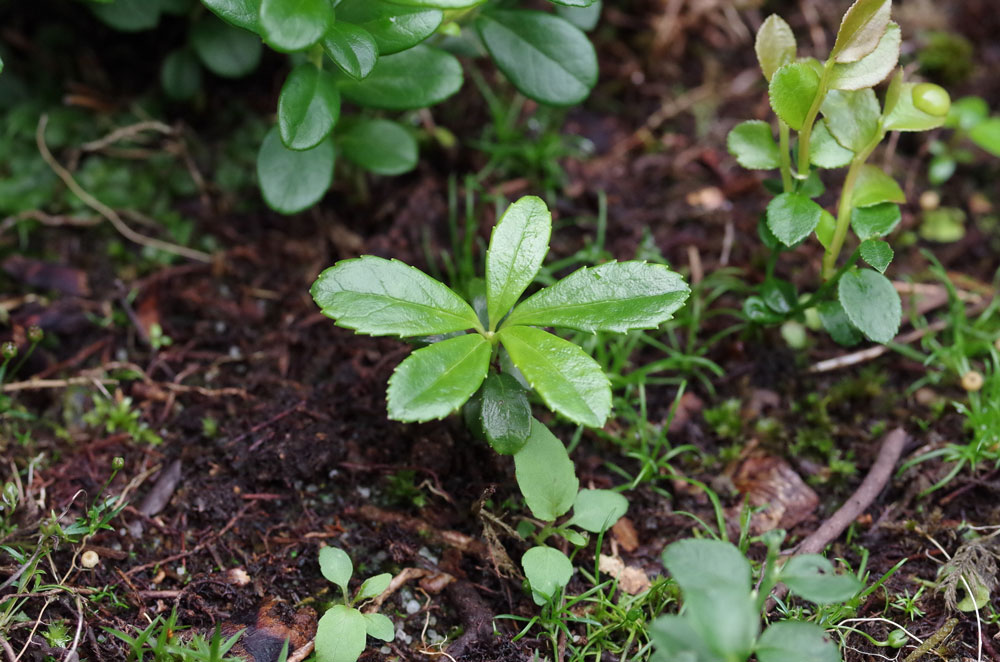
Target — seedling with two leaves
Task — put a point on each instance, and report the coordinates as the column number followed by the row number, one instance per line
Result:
column 343, row 630
column 839, row 122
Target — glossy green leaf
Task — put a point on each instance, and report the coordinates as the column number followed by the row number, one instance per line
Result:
column 294, row 25
column 439, row 4
column 874, row 187
column 584, row 16
column 379, row 626
column 796, row 641
column 435, row 381
column 380, row 146
column 241, row 13
column 224, row 50
column 792, row 217
column 545, row 474
column 757, row 311
column 861, row 29
column 568, row 380
column 128, row 15
column 825, row 151
column 598, row 510
column 837, row 324
column 180, row 75
column 518, row 245
column 792, row 90
column 336, row 566
column 826, row 228
column 875, row 221
column 394, row 27
column 871, row 303
column 380, row 297
column 753, row 145
column 546, row 57
column 308, row 107
column 813, row 577
column 373, row 586
column 775, row 45
column 701, row 564
column 352, row 48
column 574, row 3
column 986, row 134
column 779, row 295
column 291, row 180
column 877, row 253
column 547, row 570
column 852, row 117
column 505, row 413
column 340, row 635
column 905, row 116
column 420, row 77
column 873, row 68
column 932, row 99
column 615, row 296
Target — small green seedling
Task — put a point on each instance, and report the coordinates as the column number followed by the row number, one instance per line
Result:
column 721, row 617
column 969, row 118
column 852, row 302
column 496, row 346
column 343, row 630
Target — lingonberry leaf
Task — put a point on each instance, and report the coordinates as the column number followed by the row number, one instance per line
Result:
column 224, row 50
column 877, row 253
column 518, row 245
column 875, row 221
column 380, row 627
column 380, row 146
column 352, row 48
column 420, row 77
column 861, row 29
column 616, row 296
column 547, row 570
column 825, row 151
column 873, row 187
column 568, row 380
column 336, row 566
column 545, row 474
column 906, row 116
column 792, row 90
column 308, row 106
column 597, row 510
column 340, row 635
column 813, row 577
column 241, row 13
column 582, row 16
column 574, row 3
column 753, row 145
column 505, row 413
column 440, row 4
column 792, row 217
column 180, row 74
column 435, row 381
column 871, row 304
column 775, row 45
column 294, row 25
column 546, row 57
column 394, row 27
column 128, row 15
column 291, row 180
column 852, row 117
column 873, row 68
column 383, row 297
column 796, row 641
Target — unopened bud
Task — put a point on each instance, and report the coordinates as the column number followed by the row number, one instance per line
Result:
column 35, row 334
column 8, row 350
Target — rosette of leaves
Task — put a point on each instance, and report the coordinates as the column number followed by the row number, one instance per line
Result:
column 839, row 121
column 342, row 632
column 497, row 336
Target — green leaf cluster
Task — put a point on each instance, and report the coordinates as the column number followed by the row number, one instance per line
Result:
column 343, row 630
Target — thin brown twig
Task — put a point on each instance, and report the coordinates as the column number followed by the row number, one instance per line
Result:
column 39, row 384
column 126, row 132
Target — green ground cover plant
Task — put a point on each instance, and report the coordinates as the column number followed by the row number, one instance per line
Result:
column 343, row 630
column 839, row 122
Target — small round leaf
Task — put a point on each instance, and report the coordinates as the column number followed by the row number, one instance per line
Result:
column 224, row 50
column 308, row 107
column 294, row 25
column 792, row 90
column 380, row 146
column 871, row 303
column 792, row 217
column 336, row 565
column 290, row 180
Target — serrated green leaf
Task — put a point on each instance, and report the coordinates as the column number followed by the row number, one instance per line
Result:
column 291, row 180
column 877, row 253
column 786, row 641
column 597, row 510
column 584, row 16
column 775, row 45
column 336, row 566
column 986, row 134
column 568, row 380
column 873, row 68
column 753, row 145
column 871, row 303
column 547, row 58
column 861, row 29
column 380, row 146
column 545, row 474
column 518, row 245
column 852, row 117
column 874, row 187
column 352, row 48
column 505, row 413
column 380, row 627
column 792, row 90
column 548, row 571
column 837, row 324
column 812, row 577
column 905, row 116
column 382, row 297
column 697, row 565
column 241, row 13
column 875, row 221
column 394, row 27
column 340, row 635
column 435, row 381
column 308, row 107
column 224, row 50
column 825, row 151
column 420, row 77
column 180, row 75
column 294, row 25
column 373, row 586
column 826, row 228
column 615, row 296
column 792, row 217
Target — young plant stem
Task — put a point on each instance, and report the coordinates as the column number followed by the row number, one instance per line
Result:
column 807, row 126
column 787, row 182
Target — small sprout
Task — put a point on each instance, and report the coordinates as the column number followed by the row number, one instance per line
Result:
column 898, row 638
column 8, row 350
column 118, row 463
column 35, row 334
column 932, row 99
column 89, row 559
column 972, row 381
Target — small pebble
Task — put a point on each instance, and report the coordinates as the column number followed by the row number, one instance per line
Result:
column 412, row 606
